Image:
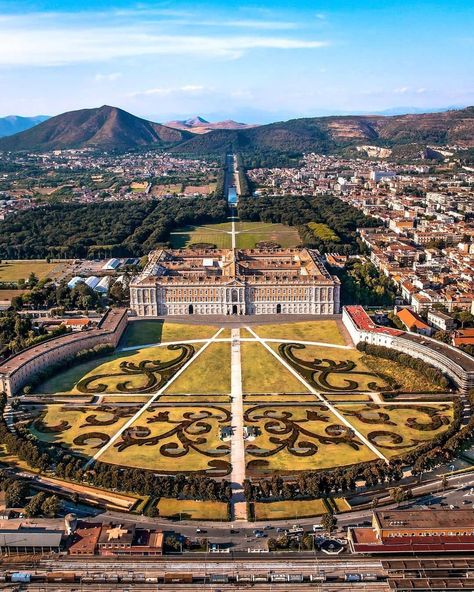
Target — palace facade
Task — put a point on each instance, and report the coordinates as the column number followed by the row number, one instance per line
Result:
column 239, row 282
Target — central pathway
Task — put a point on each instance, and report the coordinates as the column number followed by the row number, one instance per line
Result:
column 237, row 450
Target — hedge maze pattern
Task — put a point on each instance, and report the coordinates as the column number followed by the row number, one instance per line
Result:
column 319, row 372
column 155, row 372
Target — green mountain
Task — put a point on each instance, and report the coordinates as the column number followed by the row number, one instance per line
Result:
column 103, row 128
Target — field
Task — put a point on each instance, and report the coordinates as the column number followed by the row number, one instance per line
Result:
column 210, row 373
column 248, row 235
column 332, row 370
column 262, row 373
column 177, row 438
column 303, row 437
column 289, row 509
column 325, row 331
column 140, row 333
column 12, row 271
column 396, row 429
column 191, row 510
column 214, row 234
column 409, row 380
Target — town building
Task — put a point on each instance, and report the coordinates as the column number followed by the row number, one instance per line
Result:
column 234, row 282
column 410, row 531
column 440, row 320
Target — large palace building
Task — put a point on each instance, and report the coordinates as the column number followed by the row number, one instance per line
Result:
column 226, row 282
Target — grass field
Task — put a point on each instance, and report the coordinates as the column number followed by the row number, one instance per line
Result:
column 111, row 375
column 325, row 331
column 12, row 271
column 286, row 423
column 398, row 416
column 408, row 379
column 191, row 509
column 76, row 419
column 215, row 234
column 289, row 509
column 182, row 444
column 339, row 380
column 145, row 332
column 65, row 380
column 262, row 373
column 209, row 373
column 249, row 234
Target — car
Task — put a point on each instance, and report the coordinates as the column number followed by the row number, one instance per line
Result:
column 200, row 531
column 260, row 535
column 267, row 527
column 233, row 531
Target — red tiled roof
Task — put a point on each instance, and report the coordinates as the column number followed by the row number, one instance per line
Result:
column 410, row 319
column 365, row 323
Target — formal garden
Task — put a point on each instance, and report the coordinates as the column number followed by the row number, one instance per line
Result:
column 311, row 403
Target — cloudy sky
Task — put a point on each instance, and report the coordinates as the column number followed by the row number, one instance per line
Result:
column 255, row 61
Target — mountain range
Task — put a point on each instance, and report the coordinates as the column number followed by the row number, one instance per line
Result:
column 199, row 125
column 12, row 124
column 112, row 128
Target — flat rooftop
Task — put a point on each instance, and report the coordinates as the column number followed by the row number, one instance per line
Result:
column 425, row 519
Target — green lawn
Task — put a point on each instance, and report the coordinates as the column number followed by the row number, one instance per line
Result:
column 215, row 234
column 409, row 380
column 110, row 373
column 12, row 271
column 173, row 427
column 209, row 373
column 65, row 380
column 339, row 379
column 284, row 422
column 192, row 510
column 251, row 233
column 398, row 415
column 262, row 373
column 146, row 332
column 325, row 331
column 78, row 425
column 289, row 509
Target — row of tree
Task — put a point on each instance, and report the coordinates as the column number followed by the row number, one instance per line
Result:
column 433, row 374
column 342, row 218
column 128, row 228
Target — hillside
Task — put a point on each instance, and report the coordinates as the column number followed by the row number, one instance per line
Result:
column 327, row 134
column 199, row 125
column 13, row 124
column 111, row 128
column 104, row 128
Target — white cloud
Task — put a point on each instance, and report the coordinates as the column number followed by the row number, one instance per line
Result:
column 82, row 38
column 108, row 77
column 402, row 90
column 164, row 91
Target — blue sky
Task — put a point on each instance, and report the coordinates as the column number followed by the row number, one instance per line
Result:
column 253, row 61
